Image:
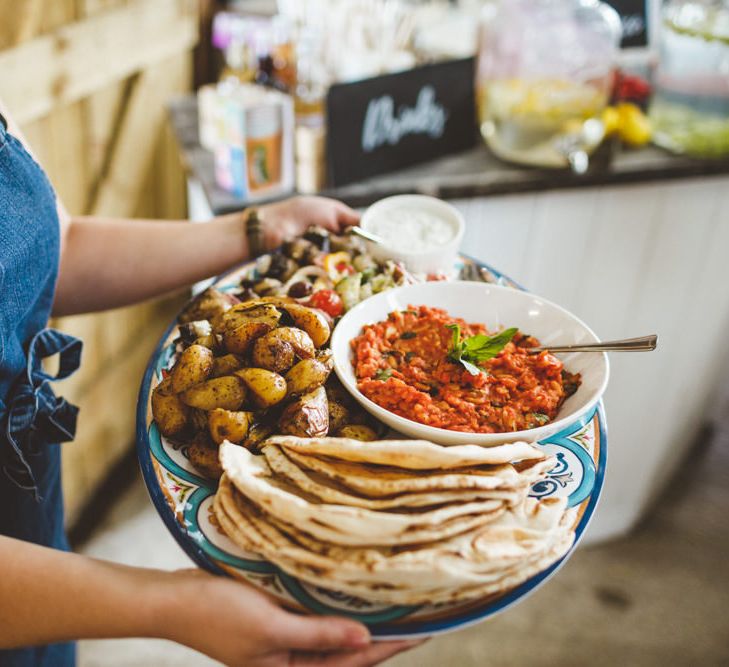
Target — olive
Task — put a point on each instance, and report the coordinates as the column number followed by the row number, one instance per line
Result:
column 300, row 289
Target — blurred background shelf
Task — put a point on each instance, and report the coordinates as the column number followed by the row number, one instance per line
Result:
column 473, row 173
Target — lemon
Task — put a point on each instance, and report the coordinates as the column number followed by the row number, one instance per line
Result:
column 610, row 119
column 634, row 128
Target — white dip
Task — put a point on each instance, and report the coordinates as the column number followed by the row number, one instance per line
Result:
column 408, row 229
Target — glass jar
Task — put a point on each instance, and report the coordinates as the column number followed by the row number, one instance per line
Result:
column 690, row 107
column 545, row 69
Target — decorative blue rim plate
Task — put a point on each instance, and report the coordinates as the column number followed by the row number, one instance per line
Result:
column 184, row 501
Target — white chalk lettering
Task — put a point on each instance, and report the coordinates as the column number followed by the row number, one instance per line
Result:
column 382, row 127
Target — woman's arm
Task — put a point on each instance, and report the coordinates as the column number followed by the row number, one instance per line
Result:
column 50, row 596
column 109, row 263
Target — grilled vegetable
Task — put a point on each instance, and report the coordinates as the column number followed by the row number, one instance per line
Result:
column 277, row 350
column 338, row 415
column 193, row 367
column 265, row 388
column 250, row 311
column 228, row 425
column 238, row 340
column 308, row 416
column 206, row 306
column 307, row 375
column 170, row 413
column 192, row 330
column 311, row 321
column 257, row 433
column 225, row 365
column 203, row 454
column 226, row 392
column 357, row 432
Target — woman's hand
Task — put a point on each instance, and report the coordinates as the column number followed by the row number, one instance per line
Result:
column 291, row 217
column 241, row 627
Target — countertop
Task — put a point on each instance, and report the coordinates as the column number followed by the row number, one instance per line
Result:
column 473, row 173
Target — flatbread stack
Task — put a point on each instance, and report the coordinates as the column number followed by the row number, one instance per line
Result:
column 399, row 521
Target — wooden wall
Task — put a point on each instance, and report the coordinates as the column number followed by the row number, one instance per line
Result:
column 88, row 80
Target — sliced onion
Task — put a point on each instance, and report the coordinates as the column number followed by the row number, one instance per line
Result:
column 306, row 272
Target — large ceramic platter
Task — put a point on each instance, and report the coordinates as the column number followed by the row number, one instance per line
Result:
column 184, row 501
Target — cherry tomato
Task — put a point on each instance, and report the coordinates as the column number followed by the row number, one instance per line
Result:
column 328, row 301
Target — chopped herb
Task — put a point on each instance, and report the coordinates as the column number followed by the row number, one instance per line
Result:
column 407, row 335
column 409, row 357
column 473, row 350
column 539, row 417
column 409, row 312
column 384, row 374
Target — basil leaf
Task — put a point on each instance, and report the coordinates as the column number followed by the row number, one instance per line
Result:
column 483, row 348
column 407, row 335
column 384, row 374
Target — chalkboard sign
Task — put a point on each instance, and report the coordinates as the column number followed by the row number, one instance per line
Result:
column 382, row 124
column 634, row 15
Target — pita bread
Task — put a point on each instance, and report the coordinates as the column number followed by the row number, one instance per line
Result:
column 379, row 481
column 410, row 454
column 457, row 569
column 342, row 524
column 330, row 491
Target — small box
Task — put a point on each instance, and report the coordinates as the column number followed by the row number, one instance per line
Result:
column 250, row 130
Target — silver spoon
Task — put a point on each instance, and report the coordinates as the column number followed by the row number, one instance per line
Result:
column 641, row 344
column 367, row 235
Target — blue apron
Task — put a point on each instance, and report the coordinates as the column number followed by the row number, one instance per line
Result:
column 32, row 420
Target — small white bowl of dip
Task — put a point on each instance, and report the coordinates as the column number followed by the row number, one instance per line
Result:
column 423, row 232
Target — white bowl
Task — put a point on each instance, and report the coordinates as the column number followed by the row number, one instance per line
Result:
column 496, row 307
column 434, row 260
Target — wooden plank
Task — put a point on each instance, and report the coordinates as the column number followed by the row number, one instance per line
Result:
column 141, row 126
column 82, row 57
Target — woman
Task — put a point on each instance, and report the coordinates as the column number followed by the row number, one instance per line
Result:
column 53, row 262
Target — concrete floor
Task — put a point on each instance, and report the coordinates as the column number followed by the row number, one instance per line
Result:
column 658, row 598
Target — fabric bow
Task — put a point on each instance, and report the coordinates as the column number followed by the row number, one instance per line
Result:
column 35, row 415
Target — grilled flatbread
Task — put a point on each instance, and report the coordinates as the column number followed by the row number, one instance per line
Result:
column 342, row 524
column 484, row 560
column 379, row 481
column 410, row 454
column 330, row 491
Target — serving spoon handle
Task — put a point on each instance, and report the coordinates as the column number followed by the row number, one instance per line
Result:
column 640, row 344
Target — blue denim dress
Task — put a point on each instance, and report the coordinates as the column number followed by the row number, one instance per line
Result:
column 32, row 420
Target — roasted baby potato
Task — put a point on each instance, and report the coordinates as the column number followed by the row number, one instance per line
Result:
column 203, row 454
column 170, row 413
column 238, row 340
column 228, row 425
column 277, row 349
column 357, row 432
column 206, row 306
column 308, row 416
column 257, row 433
column 338, row 415
column 310, row 320
column 225, row 365
column 226, row 392
column 198, row 419
column 193, row 367
column 246, row 312
column 307, row 375
column 265, row 388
